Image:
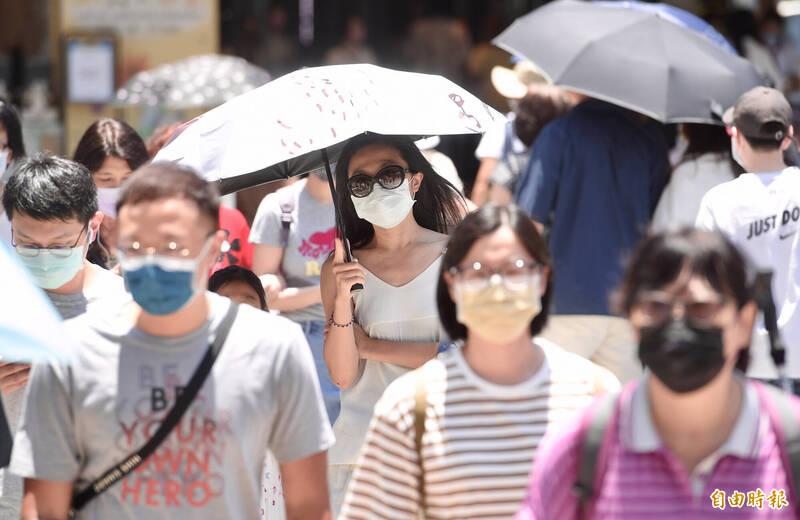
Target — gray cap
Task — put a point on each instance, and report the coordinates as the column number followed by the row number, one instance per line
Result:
column 761, row 113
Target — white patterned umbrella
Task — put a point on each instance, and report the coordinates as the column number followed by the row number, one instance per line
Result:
column 278, row 130
column 301, row 122
column 200, row 81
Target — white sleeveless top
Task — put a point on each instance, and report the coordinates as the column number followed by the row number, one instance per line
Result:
column 405, row 313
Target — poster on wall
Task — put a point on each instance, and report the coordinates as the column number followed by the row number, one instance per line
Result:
column 90, row 69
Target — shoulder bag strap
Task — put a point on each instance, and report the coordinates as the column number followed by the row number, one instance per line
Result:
column 118, row 471
column 420, row 410
column 590, row 450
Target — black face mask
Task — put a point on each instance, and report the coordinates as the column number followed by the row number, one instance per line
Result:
column 681, row 356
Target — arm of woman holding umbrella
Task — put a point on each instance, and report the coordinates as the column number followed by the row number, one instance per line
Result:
column 341, row 352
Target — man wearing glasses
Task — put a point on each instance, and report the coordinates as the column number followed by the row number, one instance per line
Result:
column 136, row 361
column 52, row 205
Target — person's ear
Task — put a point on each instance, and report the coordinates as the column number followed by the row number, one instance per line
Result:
column 94, row 224
column 787, row 141
column 416, row 182
column 448, row 279
column 216, row 246
column 744, row 324
column 544, row 280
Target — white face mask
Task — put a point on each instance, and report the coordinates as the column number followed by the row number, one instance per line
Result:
column 107, row 201
column 735, row 154
column 384, row 208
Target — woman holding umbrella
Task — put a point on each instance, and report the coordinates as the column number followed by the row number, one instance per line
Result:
column 395, row 211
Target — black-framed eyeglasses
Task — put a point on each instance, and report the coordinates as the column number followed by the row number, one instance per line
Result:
column 514, row 275
column 658, row 307
column 57, row 250
column 389, row 177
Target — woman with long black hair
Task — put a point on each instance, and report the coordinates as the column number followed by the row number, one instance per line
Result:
column 12, row 150
column 396, row 211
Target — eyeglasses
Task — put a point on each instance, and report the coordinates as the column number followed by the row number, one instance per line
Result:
column 171, row 249
column 57, row 250
column 658, row 307
column 515, row 275
column 389, row 177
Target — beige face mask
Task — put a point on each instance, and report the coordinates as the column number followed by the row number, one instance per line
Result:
column 497, row 313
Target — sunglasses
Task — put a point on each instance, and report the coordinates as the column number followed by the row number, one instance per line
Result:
column 389, row 177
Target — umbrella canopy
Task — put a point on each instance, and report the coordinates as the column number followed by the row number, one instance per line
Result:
column 632, row 58
column 199, row 81
column 279, row 130
column 675, row 15
column 30, row 329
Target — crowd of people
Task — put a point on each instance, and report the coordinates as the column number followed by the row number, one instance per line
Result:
column 575, row 339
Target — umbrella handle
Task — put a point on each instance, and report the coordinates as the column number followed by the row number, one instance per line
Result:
column 338, row 213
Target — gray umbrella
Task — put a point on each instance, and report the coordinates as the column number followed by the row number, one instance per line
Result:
column 632, row 58
column 199, row 81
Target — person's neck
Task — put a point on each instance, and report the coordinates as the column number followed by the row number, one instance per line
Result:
column 179, row 323
column 398, row 237
column 503, row 364
column 319, row 190
column 766, row 163
column 695, row 424
column 77, row 285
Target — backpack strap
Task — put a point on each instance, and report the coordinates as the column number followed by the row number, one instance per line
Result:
column 590, row 450
column 286, row 202
column 787, row 425
column 420, row 411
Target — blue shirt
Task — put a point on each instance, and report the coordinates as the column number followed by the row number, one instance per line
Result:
column 594, row 176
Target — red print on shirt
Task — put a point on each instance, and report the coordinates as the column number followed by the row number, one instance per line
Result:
column 319, row 244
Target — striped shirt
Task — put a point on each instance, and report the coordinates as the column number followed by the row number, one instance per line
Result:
column 479, row 438
column 635, row 480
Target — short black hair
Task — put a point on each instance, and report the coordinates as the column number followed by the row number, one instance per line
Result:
column 46, row 187
column 486, row 220
column 110, row 138
column 660, row 259
column 233, row 273
column 166, row 180
column 10, row 122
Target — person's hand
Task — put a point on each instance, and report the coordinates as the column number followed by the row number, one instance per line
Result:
column 273, row 286
column 346, row 274
column 13, row 376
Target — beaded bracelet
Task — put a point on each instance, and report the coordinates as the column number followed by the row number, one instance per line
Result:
column 352, row 320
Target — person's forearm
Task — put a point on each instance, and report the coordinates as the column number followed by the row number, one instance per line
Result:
column 341, row 354
column 480, row 188
column 293, row 298
column 408, row 354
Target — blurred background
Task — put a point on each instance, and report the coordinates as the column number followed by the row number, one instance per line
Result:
column 69, row 62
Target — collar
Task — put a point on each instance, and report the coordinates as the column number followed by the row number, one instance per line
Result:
column 640, row 434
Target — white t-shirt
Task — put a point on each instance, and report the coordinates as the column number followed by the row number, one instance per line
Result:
column 690, row 180
column 760, row 213
column 262, row 394
column 493, row 142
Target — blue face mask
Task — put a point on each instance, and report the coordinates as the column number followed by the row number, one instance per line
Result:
column 52, row 271
column 159, row 284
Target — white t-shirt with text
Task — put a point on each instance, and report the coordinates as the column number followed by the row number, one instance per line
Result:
column 760, row 214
